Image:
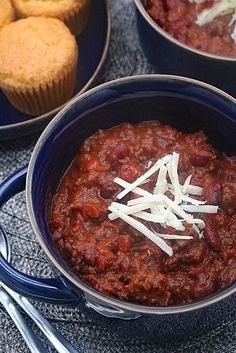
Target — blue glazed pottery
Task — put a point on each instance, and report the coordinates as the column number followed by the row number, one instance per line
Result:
column 170, row 56
column 186, row 104
column 93, row 45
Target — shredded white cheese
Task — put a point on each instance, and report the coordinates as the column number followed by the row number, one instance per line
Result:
column 233, row 20
column 197, row 1
column 193, row 201
column 200, row 208
column 161, row 184
column 187, row 188
column 174, row 172
column 136, row 209
column 174, row 237
column 147, row 199
column 186, row 184
column 144, row 230
column 173, row 221
column 157, row 207
column 194, row 190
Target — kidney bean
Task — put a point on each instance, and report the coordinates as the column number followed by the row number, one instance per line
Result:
column 108, row 190
column 200, row 159
column 212, row 190
column 122, row 151
column 212, row 236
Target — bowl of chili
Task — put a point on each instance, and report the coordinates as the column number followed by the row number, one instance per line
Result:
column 191, row 38
column 143, row 118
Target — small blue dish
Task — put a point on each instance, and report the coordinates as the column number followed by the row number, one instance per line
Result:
column 93, row 45
column 186, row 104
column 170, row 56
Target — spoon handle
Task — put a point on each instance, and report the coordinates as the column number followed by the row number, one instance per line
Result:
column 55, row 337
column 32, row 341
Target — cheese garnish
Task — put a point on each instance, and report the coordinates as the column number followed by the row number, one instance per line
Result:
column 233, row 21
column 173, row 237
column 136, row 209
column 197, row 1
column 162, row 209
column 143, row 229
column 200, row 208
column 161, row 184
column 174, row 171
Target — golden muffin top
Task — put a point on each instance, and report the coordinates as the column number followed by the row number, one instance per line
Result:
column 35, row 51
column 6, row 13
column 47, row 8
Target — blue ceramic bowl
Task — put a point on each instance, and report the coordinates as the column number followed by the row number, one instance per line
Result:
column 170, row 56
column 183, row 103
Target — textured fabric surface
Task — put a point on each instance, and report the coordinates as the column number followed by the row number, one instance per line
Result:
column 125, row 58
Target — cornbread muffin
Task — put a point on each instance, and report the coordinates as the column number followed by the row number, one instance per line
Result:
column 38, row 60
column 6, row 13
column 74, row 13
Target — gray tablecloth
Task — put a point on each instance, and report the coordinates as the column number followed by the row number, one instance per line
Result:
column 125, row 58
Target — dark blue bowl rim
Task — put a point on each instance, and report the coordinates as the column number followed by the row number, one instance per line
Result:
column 216, row 297
column 81, row 91
column 157, row 28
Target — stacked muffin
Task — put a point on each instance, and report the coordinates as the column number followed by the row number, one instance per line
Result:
column 38, row 54
column 74, row 13
column 6, row 13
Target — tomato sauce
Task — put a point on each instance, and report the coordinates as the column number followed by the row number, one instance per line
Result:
column 177, row 17
column 118, row 260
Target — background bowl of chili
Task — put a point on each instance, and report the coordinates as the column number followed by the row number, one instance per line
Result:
column 183, row 103
column 172, row 56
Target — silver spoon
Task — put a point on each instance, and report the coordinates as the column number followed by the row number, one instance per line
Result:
column 6, row 294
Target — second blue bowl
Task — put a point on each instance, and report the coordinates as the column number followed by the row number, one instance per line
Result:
column 170, row 56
